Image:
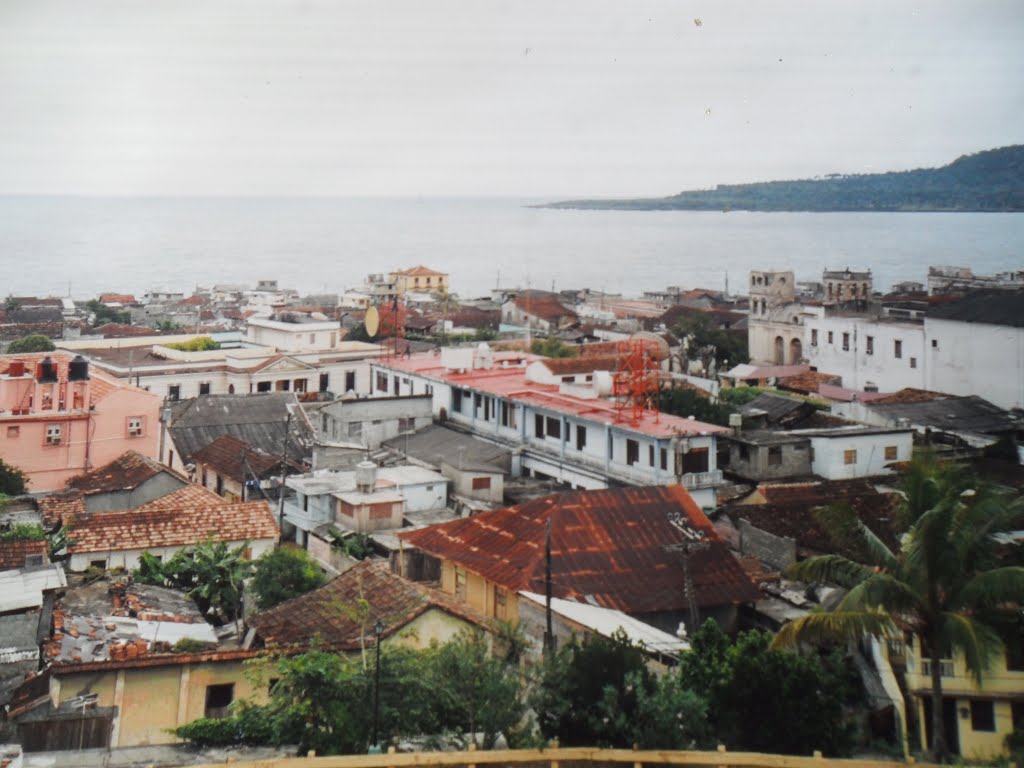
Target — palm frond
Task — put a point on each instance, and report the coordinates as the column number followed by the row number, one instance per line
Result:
column 992, row 588
column 882, row 591
column 979, row 643
column 846, row 529
column 833, row 569
column 837, row 626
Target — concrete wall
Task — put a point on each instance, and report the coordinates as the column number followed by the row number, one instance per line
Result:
column 794, row 460
column 154, row 488
column 830, row 458
column 153, row 699
column 863, row 351
column 976, row 359
column 372, row 421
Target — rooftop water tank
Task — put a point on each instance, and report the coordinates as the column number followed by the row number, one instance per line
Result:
column 78, row 369
column 366, row 476
column 47, row 371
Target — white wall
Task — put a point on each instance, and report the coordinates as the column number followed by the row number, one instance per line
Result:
column 129, row 558
column 867, row 364
column 976, row 359
column 829, row 459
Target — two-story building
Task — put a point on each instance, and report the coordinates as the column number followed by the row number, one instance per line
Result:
column 418, row 279
column 60, row 417
column 573, row 432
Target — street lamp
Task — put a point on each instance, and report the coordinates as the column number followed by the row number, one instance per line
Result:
column 378, row 631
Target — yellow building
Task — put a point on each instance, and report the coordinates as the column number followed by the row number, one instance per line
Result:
column 978, row 718
column 419, row 279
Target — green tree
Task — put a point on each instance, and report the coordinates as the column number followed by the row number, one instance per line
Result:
column 552, row 347
column 807, row 693
column 282, row 574
column 946, row 583
column 13, row 481
column 685, row 402
column 730, row 346
column 211, row 573
column 103, row 314
column 482, row 693
column 37, row 342
column 22, row 531
column 198, row 344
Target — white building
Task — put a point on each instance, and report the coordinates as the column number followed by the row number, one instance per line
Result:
column 775, row 333
column 844, row 453
column 568, row 432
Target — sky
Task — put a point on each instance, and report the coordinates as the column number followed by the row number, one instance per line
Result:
column 529, row 98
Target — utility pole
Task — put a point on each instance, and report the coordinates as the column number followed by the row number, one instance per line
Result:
column 549, row 635
column 694, row 542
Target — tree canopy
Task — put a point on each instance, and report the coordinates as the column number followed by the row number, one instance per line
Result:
column 282, row 574
column 946, row 583
column 37, row 342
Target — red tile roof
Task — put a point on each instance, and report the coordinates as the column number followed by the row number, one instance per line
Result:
column 419, row 271
column 609, row 547
column 321, row 613
column 561, row 366
column 234, row 459
column 61, row 508
column 120, row 331
column 13, row 553
column 543, row 305
column 190, row 495
column 117, row 298
column 808, row 382
column 909, row 395
column 159, row 525
column 128, row 471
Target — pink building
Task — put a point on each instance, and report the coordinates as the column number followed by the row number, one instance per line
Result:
column 59, row 418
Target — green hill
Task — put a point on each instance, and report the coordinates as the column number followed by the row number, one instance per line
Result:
column 986, row 181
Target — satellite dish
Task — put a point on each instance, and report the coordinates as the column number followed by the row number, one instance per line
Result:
column 371, row 322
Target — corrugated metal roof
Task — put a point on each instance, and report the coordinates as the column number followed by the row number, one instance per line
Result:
column 438, row 445
column 608, row 547
column 993, row 307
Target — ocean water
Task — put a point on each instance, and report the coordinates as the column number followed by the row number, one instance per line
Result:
column 83, row 246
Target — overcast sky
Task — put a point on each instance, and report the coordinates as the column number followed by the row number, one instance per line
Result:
column 542, row 98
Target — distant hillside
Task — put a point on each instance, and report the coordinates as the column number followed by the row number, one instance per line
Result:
column 987, row 181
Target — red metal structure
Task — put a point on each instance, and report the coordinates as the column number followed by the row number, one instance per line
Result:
column 392, row 326
column 635, row 386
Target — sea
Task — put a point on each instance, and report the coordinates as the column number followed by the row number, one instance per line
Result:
column 82, row 246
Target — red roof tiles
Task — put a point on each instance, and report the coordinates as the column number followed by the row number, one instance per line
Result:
column 13, row 553
column 609, row 547
column 159, row 525
column 322, row 613
column 128, row 471
column 234, row 459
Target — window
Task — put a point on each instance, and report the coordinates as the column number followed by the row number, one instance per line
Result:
column 846, row 342
column 406, row 424
column 13, row 431
column 500, row 603
column 350, row 381
column 775, row 456
column 98, row 564
column 897, row 349
column 312, row 338
column 382, row 381
column 913, row 362
column 135, row 426
column 538, row 425
column 814, row 337
column 53, row 432
column 481, row 483
column 218, row 699
column 850, row 457
column 581, row 437
column 174, row 392
column 650, row 455
column 830, row 337
column 983, row 715
column 869, row 345
column 460, row 583
column 263, row 386
column 891, row 454
column 476, row 405
column 204, row 388
column 695, row 460
column 457, row 400
column 554, row 427
column 664, row 458
column 220, row 485
column 935, row 343
column 632, row 451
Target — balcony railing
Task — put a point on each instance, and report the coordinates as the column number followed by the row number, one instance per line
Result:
column 946, row 668
column 695, row 480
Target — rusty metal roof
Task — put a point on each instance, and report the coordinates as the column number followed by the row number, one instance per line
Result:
column 128, row 471
column 609, row 548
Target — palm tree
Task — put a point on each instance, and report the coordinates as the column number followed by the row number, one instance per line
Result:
column 946, row 582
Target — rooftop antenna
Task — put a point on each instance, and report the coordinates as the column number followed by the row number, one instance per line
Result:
column 693, row 543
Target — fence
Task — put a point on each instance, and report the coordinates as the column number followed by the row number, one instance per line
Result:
column 555, row 757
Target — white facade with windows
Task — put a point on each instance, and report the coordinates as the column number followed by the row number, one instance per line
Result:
column 577, row 441
column 845, row 453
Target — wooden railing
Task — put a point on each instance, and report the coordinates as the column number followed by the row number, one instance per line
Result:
column 554, row 757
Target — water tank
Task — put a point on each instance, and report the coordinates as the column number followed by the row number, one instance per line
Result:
column 366, row 476
column 16, row 368
column 47, row 372
column 78, row 369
